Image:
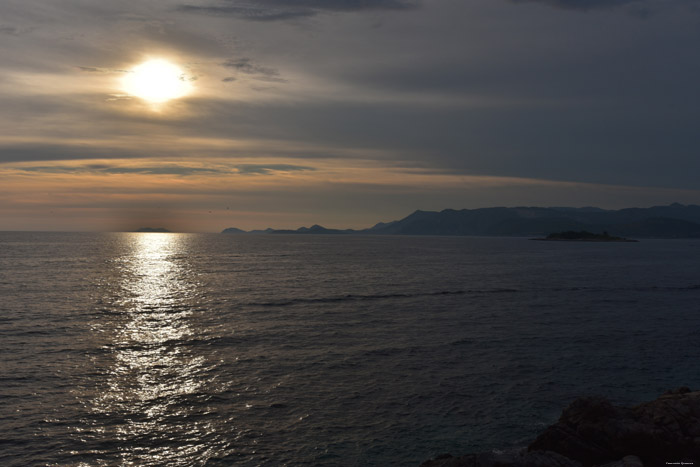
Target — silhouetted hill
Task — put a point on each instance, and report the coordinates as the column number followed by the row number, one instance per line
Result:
column 673, row 221
column 660, row 227
column 233, row 230
column 314, row 229
column 381, row 225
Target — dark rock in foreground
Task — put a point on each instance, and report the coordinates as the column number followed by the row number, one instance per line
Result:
column 593, row 432
column 522, row 459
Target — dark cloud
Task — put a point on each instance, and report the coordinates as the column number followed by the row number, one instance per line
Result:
column 265, row 169
column 242, row 169
column 99, row 168
column 92, row 69
column 581, row 4
column 229, row 79
column 245, row 65
column 602, row 142
column 343, row 5
column 57, row 152
column 280, row 10
column 14, row 30
column 248, row 67
column 10, row 30
column 250, row 14
column 164, row 170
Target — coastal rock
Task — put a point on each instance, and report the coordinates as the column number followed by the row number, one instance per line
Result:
column 627, row 461
column 521, row 459
column 594, row 432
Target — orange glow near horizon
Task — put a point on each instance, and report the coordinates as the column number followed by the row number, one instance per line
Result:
column 210, row 194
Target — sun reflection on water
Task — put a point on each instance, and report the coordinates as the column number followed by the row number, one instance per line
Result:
column 155, row 382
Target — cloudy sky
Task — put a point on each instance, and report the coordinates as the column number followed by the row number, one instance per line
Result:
column 342, row 112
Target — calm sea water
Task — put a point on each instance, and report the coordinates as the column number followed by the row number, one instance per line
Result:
column 186, row 349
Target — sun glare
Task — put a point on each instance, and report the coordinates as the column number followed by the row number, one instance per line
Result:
column 156, row 81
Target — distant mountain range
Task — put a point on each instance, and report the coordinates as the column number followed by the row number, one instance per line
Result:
column 673, row 221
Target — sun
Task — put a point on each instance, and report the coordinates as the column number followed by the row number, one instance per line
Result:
column 156, row 81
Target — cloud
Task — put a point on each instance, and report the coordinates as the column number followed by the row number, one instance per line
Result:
column 263, row 169
column 250, row 14
column 244, row 65
column 92, row 69
column 247, row 66
column 10, row 30
column 14, row 30
column 103, row 169
column 580, row 4
column 57, row 152
column 280, row 10
column 643, row 9
column 165, row 169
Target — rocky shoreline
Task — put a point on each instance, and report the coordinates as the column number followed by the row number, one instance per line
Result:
column 594, row 432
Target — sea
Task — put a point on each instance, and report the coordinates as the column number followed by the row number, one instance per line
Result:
column 159, row 349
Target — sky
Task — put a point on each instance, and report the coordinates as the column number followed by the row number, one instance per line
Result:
column 342, row 113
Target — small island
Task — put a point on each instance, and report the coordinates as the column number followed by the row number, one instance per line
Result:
column 583, row 236
column 152, row 230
